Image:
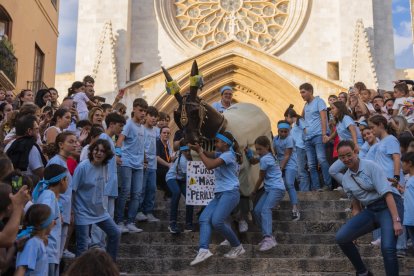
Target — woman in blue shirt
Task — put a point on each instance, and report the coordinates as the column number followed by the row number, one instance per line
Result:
column 284, row 147
column 366, row 186
column 225, row 162
column 297, row 132
column 176, row 182
column 346, row 128
column 89, row 182
column 271, row 176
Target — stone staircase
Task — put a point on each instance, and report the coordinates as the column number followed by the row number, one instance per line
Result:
column 305, row 247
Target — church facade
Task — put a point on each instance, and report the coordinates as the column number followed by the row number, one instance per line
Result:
column 264, row 49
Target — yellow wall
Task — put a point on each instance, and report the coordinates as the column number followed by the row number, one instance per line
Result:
column 34, row 22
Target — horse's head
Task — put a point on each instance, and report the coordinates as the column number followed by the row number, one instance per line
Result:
column 197, row 119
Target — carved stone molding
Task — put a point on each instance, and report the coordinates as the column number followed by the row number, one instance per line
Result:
column 268, row 25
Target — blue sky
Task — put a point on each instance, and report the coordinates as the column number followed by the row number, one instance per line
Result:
column 66, row 54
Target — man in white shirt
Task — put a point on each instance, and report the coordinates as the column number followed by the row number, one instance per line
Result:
column 226, row 98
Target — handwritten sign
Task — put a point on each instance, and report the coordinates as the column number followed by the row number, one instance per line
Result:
column 200, row 184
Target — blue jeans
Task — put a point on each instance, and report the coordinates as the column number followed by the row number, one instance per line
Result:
column 131, row 186
column 148, row 191
column 289, row 180
column 316, row 153
column 98, row 237
column 303, row 174
column 178, row 187
column 215, row 215
column 364, row 222
column 110, row 229
column 263, row 209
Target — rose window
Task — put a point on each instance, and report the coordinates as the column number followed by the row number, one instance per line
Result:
column 207, row 23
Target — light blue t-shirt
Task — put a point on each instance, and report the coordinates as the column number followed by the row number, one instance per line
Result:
column 134, row 145
column 409, row 202
column 219, row 106
column 66, row 198
column 371, row 178
column 273, row 175
column 344, row 133
column 178, row 171
column 151, row 147
column 53, row 241
column 111, row 188
column 34, row 257
column 383, row 155
column 88, row 186
column 227, row 174
column 313, row 123
column 298, row 134
column 280, row 145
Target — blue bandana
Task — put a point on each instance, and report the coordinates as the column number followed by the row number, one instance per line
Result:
column 27, row 233
column 183, row 148
column 44, row 184
column 283, row 126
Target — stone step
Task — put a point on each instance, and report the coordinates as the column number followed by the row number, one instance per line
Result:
column 326, row 195
column 166, row 238
column 278, row 215
column 333, row 205
column 251, row 266
column 252, row 251
column 300, row 227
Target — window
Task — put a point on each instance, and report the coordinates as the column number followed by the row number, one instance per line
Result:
column 5, row 23
column 38, row 68
column 333, row 70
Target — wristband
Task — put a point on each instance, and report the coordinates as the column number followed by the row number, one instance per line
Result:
column 249, row 154
column 118, row 151
column 397, row 177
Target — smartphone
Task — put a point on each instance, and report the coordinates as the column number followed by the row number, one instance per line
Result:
column 17, row 183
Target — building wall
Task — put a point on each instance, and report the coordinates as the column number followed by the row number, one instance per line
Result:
column 34, row 22
column 327, row 35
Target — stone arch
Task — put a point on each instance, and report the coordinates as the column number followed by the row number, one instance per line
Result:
column 258, row 78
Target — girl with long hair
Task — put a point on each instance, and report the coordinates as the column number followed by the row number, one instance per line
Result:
column 225, row 161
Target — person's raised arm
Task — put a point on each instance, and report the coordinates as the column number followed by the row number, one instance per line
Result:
column 9, row 233
column 206, row 158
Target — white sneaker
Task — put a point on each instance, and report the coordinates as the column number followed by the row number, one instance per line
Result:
column 267, row 244
column 122, row 228
column 132, row 228
column 235, row 252
column 377, row 242
column 141, row 217
column 243, row 226
column 68, row 255
column 225, row 243
column 203, row 254
column 151, row 218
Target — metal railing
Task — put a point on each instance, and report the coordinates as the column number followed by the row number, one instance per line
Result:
column 8, row 62
column 36, row 85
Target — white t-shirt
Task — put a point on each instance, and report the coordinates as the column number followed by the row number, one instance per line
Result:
column 399, row 105
column 81, row 99
column 35, row 159
column 84, row 153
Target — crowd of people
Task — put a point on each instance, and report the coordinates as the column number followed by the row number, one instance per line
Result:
column 85, row 168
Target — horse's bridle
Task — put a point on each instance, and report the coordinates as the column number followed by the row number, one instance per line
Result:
column 202, row 115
